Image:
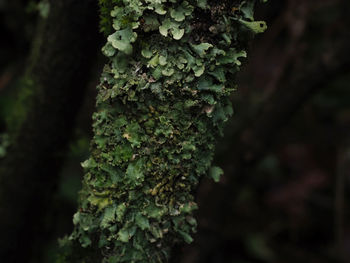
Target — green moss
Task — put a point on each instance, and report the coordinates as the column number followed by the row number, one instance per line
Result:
column 20, row 108
column 162, row 103
column 106, row 21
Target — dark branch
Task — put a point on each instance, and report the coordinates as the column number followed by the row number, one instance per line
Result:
column 57, row 75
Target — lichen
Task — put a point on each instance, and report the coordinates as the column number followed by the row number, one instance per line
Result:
column 162, row 103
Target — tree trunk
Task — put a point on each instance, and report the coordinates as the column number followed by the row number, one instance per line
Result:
column 163, row 101
column 53, row 89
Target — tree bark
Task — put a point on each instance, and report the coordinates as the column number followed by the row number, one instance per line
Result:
column 53, row 89
column 162, row 103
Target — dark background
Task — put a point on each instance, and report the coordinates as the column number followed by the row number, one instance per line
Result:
column 285, row 195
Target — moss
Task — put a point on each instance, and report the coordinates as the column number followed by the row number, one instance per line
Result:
column 161, row 105
column 106, row 21
column 20, row 108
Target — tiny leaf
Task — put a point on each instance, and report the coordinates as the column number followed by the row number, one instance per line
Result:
column 215, row 173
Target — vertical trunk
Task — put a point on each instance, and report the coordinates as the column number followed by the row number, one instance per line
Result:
column 163, row 100
column 53, row 88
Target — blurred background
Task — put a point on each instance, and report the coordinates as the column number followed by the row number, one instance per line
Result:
column 285, row 194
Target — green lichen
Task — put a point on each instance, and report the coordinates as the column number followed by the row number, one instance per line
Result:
column 161, row 105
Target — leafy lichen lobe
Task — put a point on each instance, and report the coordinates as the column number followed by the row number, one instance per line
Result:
column 162, row 102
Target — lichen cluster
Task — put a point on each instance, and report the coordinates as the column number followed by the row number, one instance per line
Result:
column 162, row 103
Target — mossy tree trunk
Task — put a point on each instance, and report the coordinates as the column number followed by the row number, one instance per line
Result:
column 163, row 101
column 52, row 90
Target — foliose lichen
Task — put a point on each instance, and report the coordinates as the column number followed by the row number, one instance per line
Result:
column 162, row 103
